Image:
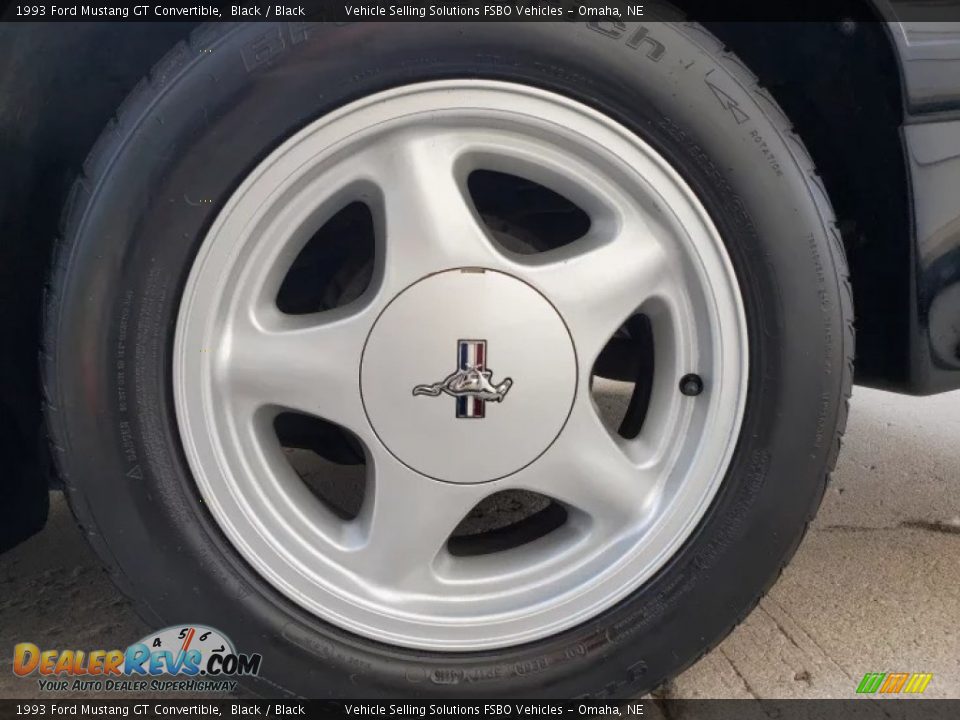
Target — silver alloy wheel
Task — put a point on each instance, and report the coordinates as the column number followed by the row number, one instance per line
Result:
column 439, row 278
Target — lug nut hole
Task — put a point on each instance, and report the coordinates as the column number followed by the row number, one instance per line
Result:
column 691, row 385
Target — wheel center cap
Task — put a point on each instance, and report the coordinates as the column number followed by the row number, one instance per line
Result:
column 468, row 375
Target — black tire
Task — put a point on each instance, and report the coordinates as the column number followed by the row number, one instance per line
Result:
column 211, row 109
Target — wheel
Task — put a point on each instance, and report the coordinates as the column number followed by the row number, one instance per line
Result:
column 449, row 363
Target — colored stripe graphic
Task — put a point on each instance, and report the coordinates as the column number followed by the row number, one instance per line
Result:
column 871, row 682
column 471, row 354
column 918, row 682
column 893, row 683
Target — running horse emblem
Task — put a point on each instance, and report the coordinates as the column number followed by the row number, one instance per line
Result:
column 471, row 384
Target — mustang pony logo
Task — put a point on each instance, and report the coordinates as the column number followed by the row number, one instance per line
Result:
column 470, row 385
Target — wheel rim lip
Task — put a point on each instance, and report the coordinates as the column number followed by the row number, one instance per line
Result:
column 413, row 630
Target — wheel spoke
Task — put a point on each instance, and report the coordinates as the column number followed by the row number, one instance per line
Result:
column 429, row 221
column 598, row 282
column 305, row 363
column 407, row 525
column 589, row 471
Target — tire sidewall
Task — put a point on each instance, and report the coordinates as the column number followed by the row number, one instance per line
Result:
column 231, row 97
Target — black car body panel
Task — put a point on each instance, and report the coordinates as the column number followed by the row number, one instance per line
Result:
column 928, row 49
column 929, row 53
column 933, row 157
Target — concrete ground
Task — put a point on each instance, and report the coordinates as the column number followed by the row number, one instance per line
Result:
column 875, row 586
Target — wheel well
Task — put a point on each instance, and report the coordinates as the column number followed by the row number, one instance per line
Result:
column 64, row 86
column 839, row 83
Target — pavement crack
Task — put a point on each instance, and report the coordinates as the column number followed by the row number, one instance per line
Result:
column 780, row 627
column 736, row 670
column 854, row 528
column 809, row 636
column 935, row 526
